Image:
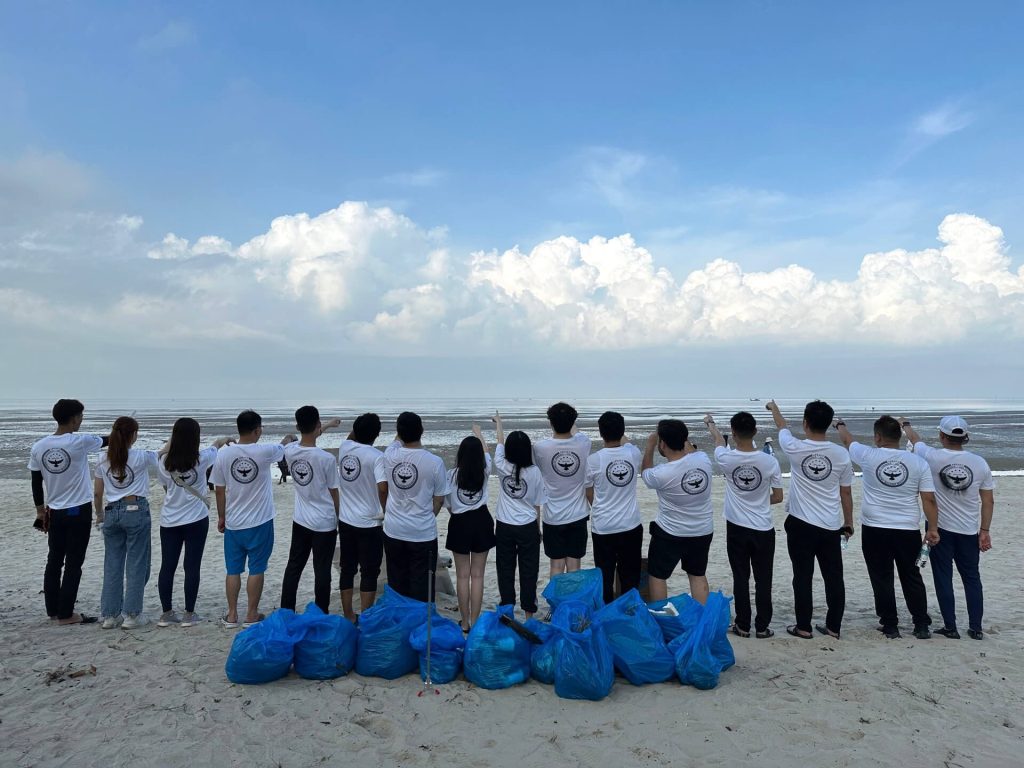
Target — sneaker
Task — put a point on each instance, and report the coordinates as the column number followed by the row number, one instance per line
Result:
column 922, row 633
column 110, row 622
column 975, row 634
column 892, row 633
column 168, row 619
column 191, row 619
column 952, row 634
column 134, row 620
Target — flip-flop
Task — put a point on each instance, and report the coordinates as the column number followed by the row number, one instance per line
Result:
column 764, row 634
column 247, row 624
column 792, row 630
column 228, row 624
column 826, row 631
column 739, row 632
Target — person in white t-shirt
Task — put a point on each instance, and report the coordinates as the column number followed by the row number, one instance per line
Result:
column 184, row 516
column 122, row 476
column 62, row 494
column 315, row 520
column 681, row 534
column 416, row 485
column 517, row 518
column 245, row 514
column 896, row 484
column 616, row 530
column 562, row 460
column 363, row 498
column 470, row 527
column 965, row 494
column 820, row 512
column 753, row 483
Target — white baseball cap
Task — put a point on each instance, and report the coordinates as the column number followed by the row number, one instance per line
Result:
column 953, row 426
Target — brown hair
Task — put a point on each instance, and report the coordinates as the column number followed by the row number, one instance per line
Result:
column 121, row 434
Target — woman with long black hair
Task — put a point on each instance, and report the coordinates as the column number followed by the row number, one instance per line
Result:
column 184, row 517
column 122, row 475
column 517, row 531
column 471, row 527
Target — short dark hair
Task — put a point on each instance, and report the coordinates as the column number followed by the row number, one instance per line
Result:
column 562, row 417
column 409, row 427
column 673, row 433
column 611, row 425
column 818, row 414
column 306, row 419
column 887, row 428
column 66, row 410
column 743, row 425
column 955, row 439
column 248, row 422
column 366, row 428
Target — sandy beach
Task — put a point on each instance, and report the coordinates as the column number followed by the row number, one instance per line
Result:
column 160, row 696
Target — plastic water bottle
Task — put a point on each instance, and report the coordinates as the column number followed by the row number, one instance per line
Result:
column 922, row 556
column 768, row 447
column 844, row 542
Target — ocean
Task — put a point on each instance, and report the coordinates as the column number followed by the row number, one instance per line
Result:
column 997, row 427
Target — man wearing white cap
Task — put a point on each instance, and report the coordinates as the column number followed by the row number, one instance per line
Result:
column 964, row 492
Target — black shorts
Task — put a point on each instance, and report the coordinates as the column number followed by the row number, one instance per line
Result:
column 568, row 540
column 666, row 551
column 471, row 531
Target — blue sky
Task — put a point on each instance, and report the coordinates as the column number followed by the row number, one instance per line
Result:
column 765, row 134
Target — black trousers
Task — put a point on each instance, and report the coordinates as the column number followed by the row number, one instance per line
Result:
column 362, row 550
column 192, row 537
column 409, row 566
column 67, row 541
column 807, row 543
column 751, row 549
column 883, row 548
column 621, row 551
column 321, row 544
column 517, row 545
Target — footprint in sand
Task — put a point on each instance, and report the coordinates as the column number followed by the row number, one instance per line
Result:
column 381, row 727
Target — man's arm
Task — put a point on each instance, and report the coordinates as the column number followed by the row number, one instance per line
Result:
column 97, row 500
column 846, row 499
column 776, row 497
column 988, row 503
column 931, row 514
column 909, row 431
column 780, row 422
column 844, row 433
column 649, row 447
column 438, row 504
column 221, row 496
column 220, row 442
column 382, row 494
column 709, row 421
column 336, row 498
column 590, row 495
column 332, row 424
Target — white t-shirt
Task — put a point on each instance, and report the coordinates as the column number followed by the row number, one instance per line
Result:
column 180, row 506
column 518, row 501
column 684, row 495
column 562, row 462
column 414, row 476
column 314, row 472
column 958, row 477
column 63, row 461
column 750, row 477
column 361, row 467
column 134, row 482
column 893, row 481
column 458, row 500
column 612, row 473
column 243, row 470
column 819, row 468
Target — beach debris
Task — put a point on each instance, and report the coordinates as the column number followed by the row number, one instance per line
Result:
column 67, row 672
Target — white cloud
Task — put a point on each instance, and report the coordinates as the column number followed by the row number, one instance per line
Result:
column 942, row 121
column 174, row 34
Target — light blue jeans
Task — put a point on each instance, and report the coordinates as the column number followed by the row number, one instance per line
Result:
column 126, row 556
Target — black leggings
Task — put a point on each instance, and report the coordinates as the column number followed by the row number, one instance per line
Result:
column 193, row 538
column 321, row 544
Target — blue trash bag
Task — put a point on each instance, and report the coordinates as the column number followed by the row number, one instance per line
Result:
column 384, row 630
column 328, row 646
column 700, row 653
column 587, row 586
column 496, row 657
column 543, row 657
column 672, row 627
column 447, row 644
column 584, row 668
column 637, row 644
column 263, row 652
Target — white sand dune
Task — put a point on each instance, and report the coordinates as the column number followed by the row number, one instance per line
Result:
column 160, row 697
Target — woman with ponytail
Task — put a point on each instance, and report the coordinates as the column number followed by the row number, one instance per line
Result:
column 517, row 531
column 122, row 477
column 184, row 517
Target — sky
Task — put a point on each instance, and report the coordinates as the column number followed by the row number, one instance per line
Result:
column 534, row 199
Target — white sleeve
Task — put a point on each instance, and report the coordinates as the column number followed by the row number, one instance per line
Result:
column 652, row 478
column 787, row 442
column 927, row 484
column 923, row 450
column 440, row 479
column 776, row 479
column 721, row 452
column 333, row 475
column 275, row 452
column 988, row 482
column 847, row 478
column 217, row 476
column 593, row 468
column 379, row 475
column 152, row 458
column 33, row 462
column 504, row 467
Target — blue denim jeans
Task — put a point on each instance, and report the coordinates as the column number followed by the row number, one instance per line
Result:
column 126, row 556
column 962, row 550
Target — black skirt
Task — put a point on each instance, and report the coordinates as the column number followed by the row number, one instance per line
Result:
column 471, row 531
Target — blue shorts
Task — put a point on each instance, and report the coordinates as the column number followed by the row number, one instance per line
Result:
column 252, row 544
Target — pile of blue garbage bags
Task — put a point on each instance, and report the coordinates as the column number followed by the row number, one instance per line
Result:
column 579, row 651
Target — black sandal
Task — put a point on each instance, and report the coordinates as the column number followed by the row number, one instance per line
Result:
column 791, row 629
column 826, row 631
column 764, row 634
column 739, row 632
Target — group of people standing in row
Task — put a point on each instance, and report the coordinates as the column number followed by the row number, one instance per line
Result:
column 376, row 503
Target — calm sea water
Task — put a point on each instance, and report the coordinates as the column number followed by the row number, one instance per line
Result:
column 997, row 427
